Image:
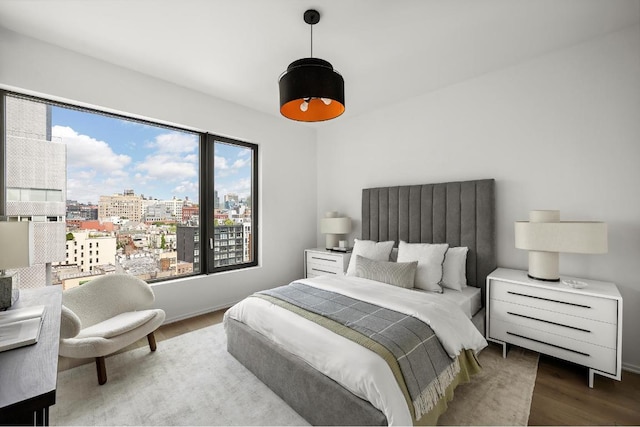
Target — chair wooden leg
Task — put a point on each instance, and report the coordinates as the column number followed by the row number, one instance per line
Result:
column 152, row 341
column 102, row 370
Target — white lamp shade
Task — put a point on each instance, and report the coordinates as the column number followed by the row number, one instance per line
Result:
column 565, row 236
column 545, row 236
column 335, row 225
column 16, row 244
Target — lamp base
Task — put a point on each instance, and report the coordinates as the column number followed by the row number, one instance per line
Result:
column 9, row 291
column 544, row 266
column 544, row 280
column 331, row 241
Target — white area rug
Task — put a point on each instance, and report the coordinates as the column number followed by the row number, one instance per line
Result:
column 192, row 380
column 500, row 395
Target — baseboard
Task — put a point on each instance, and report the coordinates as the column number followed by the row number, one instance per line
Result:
column 631, row 368
column 198, row 313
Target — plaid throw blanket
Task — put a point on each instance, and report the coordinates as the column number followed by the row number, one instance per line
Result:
column 426, row 368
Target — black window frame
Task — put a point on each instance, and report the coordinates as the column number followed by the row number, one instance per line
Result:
column 209, row 156
column 206, row 143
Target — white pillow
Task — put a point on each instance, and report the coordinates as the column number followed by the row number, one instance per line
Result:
column 377, row 251
column 454, row 275
column 430, row 257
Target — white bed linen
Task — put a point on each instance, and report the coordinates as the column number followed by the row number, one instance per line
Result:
column 469, row 299
column 356, row 368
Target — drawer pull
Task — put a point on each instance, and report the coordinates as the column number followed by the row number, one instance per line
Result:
column 548, row 299
column 323, row 271
column 324, row 259
column 548, row 321
column 546, row 343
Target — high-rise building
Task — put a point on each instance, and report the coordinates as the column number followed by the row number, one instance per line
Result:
column 246, row 241
column 174, row 206
column 157, row 213
column 125, row 206
column 231, row 200
column 35, row 182
column 190, row 214
column 188, row 245
column 89, row 249
column 228, row 245
column 78, row 211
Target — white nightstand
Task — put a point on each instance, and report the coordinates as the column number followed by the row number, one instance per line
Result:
column 583, row 326
column 321, row 261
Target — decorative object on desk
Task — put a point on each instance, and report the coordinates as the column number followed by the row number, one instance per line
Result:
column 341, row 249
column 311, row 90
column 577, row 284
column 343, row 244
column 20, row 327
column 545, row 236
column 16, row 251
column 334, row 226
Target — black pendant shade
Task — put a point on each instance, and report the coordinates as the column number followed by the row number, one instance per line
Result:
column 311, row 90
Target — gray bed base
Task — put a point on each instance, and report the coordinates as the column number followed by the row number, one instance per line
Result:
column 316, row 397
column 458, row 213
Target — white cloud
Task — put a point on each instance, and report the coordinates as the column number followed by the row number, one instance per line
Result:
column 175, row 142
column 186, row 188
column 241, row 187
column 84, row 190
column 166, row 167
column 86, row 152
column 223, row 168
column 174, row 158
column 240, row 163
column 220, row 163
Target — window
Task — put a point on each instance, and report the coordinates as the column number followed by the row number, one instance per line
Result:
column 234, row 193
column 143, row 192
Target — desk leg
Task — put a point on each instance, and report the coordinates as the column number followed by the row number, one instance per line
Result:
column 41, row 417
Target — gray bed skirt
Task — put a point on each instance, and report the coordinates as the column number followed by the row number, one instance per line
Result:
column 316, row 397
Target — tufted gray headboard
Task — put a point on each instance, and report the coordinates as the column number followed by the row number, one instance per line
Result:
column 459, row 213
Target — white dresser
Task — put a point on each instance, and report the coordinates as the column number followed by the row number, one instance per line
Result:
column 320, row 261
column 583, row 326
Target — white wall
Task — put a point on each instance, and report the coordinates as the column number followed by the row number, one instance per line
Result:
column 287, row 165
column 558, row 132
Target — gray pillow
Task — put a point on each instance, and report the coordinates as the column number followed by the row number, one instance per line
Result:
column 400, row 274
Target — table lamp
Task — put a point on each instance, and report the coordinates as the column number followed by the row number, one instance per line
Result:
column 16, row 251
column 545, row 236
column 334, row 226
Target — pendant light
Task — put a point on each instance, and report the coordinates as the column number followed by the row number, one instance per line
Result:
column 311, row 90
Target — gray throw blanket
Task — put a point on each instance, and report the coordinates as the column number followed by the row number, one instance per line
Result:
column 426, row 367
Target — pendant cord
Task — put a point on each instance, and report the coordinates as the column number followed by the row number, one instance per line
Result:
column 311, row 40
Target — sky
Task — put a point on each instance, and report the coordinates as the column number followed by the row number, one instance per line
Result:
column 106, row 155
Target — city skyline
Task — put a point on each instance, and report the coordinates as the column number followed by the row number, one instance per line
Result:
column 107, row 155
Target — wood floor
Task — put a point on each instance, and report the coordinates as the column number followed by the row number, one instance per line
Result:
column 561, row 395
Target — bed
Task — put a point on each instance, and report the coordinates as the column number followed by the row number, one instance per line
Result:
column 460, row 214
